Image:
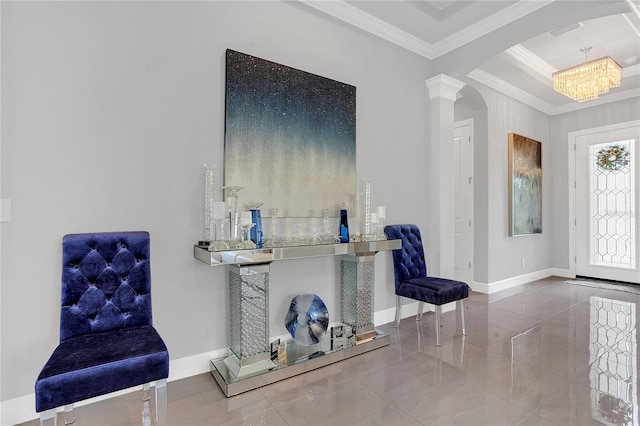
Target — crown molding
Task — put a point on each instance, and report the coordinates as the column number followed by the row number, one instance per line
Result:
column 356, row 17
column 503, row 87
column 602, row 100
column 369, row 23
column 538, row 66
column 352, row 15
column 488, row 25
column 507, row 89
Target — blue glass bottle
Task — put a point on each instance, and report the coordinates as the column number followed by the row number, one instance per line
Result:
column 256, row 229
column 344, row 226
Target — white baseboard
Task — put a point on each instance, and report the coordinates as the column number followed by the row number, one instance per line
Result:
column 564, row 273
column 494, row 287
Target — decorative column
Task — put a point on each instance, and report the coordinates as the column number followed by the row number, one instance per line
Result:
column 440, row 230
column 249, row 318
column 357, row 294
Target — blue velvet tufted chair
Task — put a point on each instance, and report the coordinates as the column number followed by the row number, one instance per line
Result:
column 107, row 340
column 412, row 280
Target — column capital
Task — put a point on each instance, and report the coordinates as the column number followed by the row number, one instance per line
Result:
column 443, row 86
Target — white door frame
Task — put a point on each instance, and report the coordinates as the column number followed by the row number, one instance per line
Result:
column 572, row 182
column 457, row 124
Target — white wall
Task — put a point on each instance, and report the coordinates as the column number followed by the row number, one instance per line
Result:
column 108, row 111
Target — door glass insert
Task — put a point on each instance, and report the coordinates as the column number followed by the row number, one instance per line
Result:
column 612, row 193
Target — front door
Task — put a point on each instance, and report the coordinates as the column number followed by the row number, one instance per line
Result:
column 607, row 183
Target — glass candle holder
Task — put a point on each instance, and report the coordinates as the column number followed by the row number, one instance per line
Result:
column 327, row 236
column 220, row 242
column 288, row 226
column 246, row 236
column 275, row 238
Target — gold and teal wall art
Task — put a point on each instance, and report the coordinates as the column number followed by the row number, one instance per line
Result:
column 290, row 136
column 525, row 186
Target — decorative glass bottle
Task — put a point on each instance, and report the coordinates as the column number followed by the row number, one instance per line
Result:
column 256, row 218
column 343, row 231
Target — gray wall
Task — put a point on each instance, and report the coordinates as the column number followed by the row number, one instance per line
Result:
column 109, row 110
column 505, row 253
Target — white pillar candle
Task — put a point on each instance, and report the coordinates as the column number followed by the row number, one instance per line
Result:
column 219, row 211
column 374, row 217
column 245, row 218
column 381, row 212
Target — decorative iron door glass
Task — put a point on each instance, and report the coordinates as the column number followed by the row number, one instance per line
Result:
column 290, row 136
column 525, row 185
column 612, row 236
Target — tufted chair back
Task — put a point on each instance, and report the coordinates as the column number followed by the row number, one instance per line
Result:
column 106, row 282
column 408, row 261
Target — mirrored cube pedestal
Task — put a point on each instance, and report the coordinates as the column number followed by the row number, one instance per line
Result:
column 250, row 351
column 356, row 292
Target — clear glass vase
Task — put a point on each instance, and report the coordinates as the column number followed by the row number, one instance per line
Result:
column 233, row 211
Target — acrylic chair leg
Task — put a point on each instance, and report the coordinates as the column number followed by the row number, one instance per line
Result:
column 464, row 325
column 145, row 392
column 420, row 309
column 49, row 417
column 396, row 322
column 161, row 402
column 438, row 313
column 69, row 416
column 146, row 405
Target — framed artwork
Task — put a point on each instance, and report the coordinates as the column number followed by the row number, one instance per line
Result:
column 290, row 137
column 525, row 186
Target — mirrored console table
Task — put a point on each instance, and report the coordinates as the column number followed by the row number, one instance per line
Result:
column 253, row 360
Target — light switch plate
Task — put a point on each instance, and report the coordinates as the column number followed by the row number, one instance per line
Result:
column 5, row 210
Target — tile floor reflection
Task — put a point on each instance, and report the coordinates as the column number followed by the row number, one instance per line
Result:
column 546, row 353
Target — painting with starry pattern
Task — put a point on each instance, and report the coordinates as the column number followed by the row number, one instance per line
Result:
column 290, row 137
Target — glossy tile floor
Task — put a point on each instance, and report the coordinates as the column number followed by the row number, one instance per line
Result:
column 546, row 353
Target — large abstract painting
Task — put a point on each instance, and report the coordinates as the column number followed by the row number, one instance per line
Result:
column 525, row 185
column 290, row 137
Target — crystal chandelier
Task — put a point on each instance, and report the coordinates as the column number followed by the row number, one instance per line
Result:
column 586, row 81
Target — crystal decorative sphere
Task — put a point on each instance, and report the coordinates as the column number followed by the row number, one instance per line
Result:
column 307, row 319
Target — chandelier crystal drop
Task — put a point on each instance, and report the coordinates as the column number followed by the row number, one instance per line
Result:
column 587, row 81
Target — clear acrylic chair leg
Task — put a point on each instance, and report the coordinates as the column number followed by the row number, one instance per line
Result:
column 69, row 416
column 49, row 417
column 146, row 406
column 464, row 324
column 146, row 396
column 161, row 402
column 420, row 310
column 438, row 313
column 396, row 323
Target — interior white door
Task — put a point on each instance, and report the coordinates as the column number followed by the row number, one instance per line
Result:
column 463, row 202
column 606, row 204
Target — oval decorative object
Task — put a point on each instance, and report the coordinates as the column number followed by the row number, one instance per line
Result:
column 307, row 319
